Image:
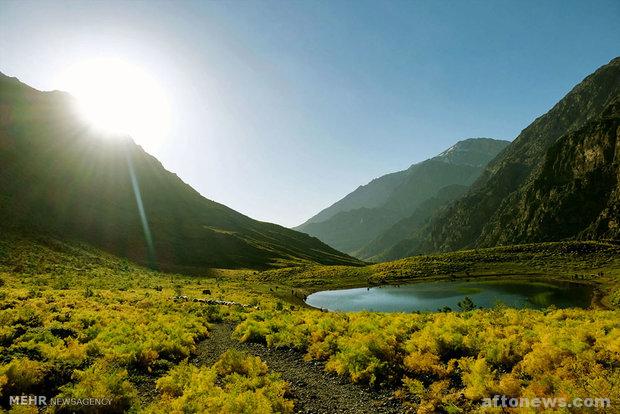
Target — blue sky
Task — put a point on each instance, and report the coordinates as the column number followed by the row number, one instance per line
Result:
column 280, row 108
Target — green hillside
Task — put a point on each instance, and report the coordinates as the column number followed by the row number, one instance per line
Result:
column 76, row 321
column 59, row 176
column 397, row 241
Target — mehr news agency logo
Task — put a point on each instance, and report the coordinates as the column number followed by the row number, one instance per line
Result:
column 43, row 401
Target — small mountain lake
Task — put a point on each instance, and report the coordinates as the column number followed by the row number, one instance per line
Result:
column 432, row 296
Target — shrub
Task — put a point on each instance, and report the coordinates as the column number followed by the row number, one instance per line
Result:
column 477, row 377
column 237, row 383
column 101, row 381
column 466, row 304
column 213, row 314
column 251, row 331
column 21, row 376
column 449, row 360
column 363, row 357
column 236, row 362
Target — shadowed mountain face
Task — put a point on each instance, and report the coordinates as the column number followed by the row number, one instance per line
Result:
column 575, row 192
column 396, row 242
column 356, row 223
column 540, row 187
column 58, row 176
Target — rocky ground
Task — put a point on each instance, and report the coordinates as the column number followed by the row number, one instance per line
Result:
column 313, row 390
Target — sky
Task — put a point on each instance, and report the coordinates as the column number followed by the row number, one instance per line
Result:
column 280, row 108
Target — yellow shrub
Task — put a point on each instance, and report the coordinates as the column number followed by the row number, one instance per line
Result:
column 22, row 376
column 424, row 364
column 24, row 409
column 509, row 385
column 477, row 377
column 237, row 383
column 236, row 362
column 3, row 381
column 101, row 381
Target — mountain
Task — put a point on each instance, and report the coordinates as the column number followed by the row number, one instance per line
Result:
column 575, row 192
column 555, row 181
column 374, row 194
column 60, row 177
column 395, row 242
column 360, row 217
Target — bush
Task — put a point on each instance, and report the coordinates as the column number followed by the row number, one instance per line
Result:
column 251, row 331
column 101, row 381
column 236, row 362
column 449, row 360
column 213, row 314
column 466, row 304
column 22, row 376
column 237, row 383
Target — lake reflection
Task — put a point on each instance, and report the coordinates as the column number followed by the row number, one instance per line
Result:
column 431, row 296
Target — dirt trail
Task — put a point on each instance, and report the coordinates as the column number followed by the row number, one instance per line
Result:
column 313, row 390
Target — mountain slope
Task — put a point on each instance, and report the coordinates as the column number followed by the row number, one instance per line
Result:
column 59, row 176
column 374, row 194
column 353, row 229
column 395, row 242
column 474, row 219
column 573, row 193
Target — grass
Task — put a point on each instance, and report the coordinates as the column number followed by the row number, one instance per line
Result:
column 441, row 360
column 590, row 262
column 75, row 321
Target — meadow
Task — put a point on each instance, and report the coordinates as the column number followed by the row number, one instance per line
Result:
column 449, row 362
column 76, row 322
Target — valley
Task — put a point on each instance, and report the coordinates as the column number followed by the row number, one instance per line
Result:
column 557, row 180
column 70, row 312
column 489, row 269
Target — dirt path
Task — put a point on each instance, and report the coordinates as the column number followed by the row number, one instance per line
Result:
column 313, row 390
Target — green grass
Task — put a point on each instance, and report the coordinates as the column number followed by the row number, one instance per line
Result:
column 74, row 319
column 439, row 360
column 591, row 262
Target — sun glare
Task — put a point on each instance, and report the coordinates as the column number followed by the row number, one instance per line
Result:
column 119, row 98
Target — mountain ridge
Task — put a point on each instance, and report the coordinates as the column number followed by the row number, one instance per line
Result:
column 60, row 176
column 573, row 193
column 351, row 230
column 463, row 224
column 381, row 187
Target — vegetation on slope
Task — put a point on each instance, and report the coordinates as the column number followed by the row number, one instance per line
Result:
column 58, row 176
column 395, row 242
column 76, row 321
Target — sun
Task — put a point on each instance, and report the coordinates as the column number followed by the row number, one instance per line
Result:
column 119, row 98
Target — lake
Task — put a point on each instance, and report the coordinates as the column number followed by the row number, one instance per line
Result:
column 431, row 296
